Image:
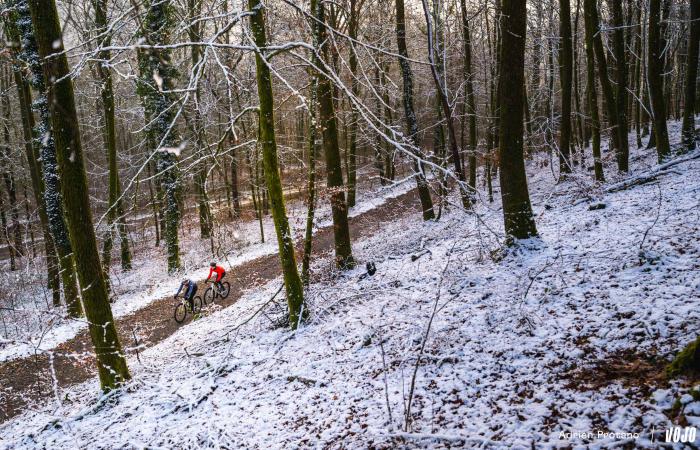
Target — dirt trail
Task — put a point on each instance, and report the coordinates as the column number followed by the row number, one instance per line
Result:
column 27, row 380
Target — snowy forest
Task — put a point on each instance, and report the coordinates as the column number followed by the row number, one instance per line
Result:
column 368, row 224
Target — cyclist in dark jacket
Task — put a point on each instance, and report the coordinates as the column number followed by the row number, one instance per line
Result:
column 190, row 289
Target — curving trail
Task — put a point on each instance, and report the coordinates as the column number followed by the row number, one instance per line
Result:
column 27, row 380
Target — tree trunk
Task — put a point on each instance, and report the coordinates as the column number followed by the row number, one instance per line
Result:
column 447, row 111
column 593, row 100
column 32, row 155
column 292, row 281
column 194, row 8
column 110, row 358
column 115, row 212
column 591, row 19
column 355, row 90
column 15, row 244
column 341, row 228
column 155, row 89
column 517, row 211
column 46, row 137
column 655, row 67
column 411, row 120
column 691, row 76
column 623, row 149
column 565, row 71
column 311, row 183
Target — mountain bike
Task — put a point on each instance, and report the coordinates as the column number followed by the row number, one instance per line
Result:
column 182, row 308
column 213, row 292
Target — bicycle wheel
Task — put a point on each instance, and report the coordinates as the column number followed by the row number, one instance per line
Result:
column 209, row 295
column 225, row 289
column 197, row 302
column 180, row 312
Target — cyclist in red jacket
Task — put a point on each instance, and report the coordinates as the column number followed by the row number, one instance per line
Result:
column 220, row 273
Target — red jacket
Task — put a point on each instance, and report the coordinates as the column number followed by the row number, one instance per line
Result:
column 219, row 272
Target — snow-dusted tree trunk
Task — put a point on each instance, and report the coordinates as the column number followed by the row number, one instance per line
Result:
column 155, row 86
column 32, row 155
column 517, row 211
column 329, row 125
column 116, row 210
column 623, row 150
column 111, row 363
column 285, row 241
column 47, row 149
column 411, row 120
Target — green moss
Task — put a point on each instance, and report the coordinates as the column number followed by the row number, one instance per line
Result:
column 687, row 361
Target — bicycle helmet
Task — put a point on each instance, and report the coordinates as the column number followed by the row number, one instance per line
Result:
column 212, row 264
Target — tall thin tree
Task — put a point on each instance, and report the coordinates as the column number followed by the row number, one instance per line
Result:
column 115, row 214
column 292, row 281
column 565, row 76
column 46, row 141
column 409, row 110
column 655, row 67
column 331, row 149
column 689, row 134
column 111, row 363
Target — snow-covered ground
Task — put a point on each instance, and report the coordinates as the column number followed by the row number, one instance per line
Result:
column 30, row 326
column 515, row 336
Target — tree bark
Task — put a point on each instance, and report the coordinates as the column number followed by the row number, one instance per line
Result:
column 593, row 102
column 655, row 67
column 45, row 136
column 623, row 149
column 591, row 19
column 292, row 281
column 339, row 208
column 691, row 76
column 111, row 363
column 517, row 211
column 411, row 120
column 565, row 73
column 32, row 155
column 116, row 210
column 155, row 89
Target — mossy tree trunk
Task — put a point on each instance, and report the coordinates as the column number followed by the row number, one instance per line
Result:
column 45, row 137
column 194, row 8
column 111, row 362
column 329, row 125
column 292, row 281
column 115, row 212
column 32, row 155
column 517, row 211
column 655, row 68
column 690, row 77
column 155, row 86
column 411, row 120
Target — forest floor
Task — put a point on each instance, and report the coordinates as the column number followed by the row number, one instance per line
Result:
column 456, row 341
column 26, row 380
